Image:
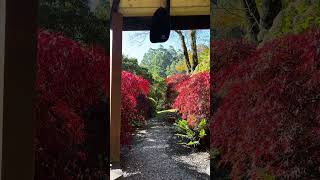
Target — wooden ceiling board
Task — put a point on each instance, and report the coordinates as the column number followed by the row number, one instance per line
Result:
column 136, row 8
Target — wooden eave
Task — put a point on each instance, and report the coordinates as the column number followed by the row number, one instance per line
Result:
column 186, row 14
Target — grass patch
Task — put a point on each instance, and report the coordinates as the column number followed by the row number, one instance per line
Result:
column 170, row 115
column 168, row 111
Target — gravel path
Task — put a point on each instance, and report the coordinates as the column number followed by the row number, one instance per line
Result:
column 155, row 155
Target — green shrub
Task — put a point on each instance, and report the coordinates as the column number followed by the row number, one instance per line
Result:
column 153, row 107
column 191, row 136
column 157, row 91
column 203, row 66
column 295, row 18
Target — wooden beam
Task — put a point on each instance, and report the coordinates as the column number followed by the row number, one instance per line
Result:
column 2, row 47
column 115, row 86
column 17, row 81
column 175, row 11
column 177, row 23
column 157, row 3
column 134, row 8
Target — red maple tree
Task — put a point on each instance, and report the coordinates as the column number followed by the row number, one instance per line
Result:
column 269, row 119
column 70, row 78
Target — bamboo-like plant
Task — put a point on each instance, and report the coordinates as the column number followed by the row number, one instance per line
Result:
column 190, row 136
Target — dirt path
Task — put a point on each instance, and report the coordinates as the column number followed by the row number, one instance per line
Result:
column 155, row 155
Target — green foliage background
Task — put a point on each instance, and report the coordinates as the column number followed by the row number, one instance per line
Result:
column 76, row 20
column 228, row 19
column 161, row 62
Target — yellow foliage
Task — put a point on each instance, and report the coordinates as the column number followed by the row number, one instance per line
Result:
column 181, row 66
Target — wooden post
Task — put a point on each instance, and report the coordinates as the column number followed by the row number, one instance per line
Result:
column 2, row 45
column 115, row 86
column 17, row 75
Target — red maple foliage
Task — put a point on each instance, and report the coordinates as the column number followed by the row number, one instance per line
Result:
column 225, row 56
column 70, row 78
column 193, row 97
column 132, row 87
column 269, row 119
column 174, row 83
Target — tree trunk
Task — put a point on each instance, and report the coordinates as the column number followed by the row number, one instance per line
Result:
column 194, row 49
column 185, row 51
column 270, row 9
column 253, row 18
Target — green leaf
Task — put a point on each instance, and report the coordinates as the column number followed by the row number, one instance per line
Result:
column 182, row 135
column 202, row 124
column 190, row 134
column 193, row 135
column 193, row 143
column 202, row 133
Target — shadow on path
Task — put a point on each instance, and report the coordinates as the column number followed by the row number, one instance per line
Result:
column 155, row 155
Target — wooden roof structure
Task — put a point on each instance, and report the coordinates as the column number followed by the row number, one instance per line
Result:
column 185, row 14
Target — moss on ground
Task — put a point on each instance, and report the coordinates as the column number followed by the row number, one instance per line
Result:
column 170, row 115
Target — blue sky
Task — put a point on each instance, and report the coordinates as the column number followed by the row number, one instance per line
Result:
column 136, row 43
